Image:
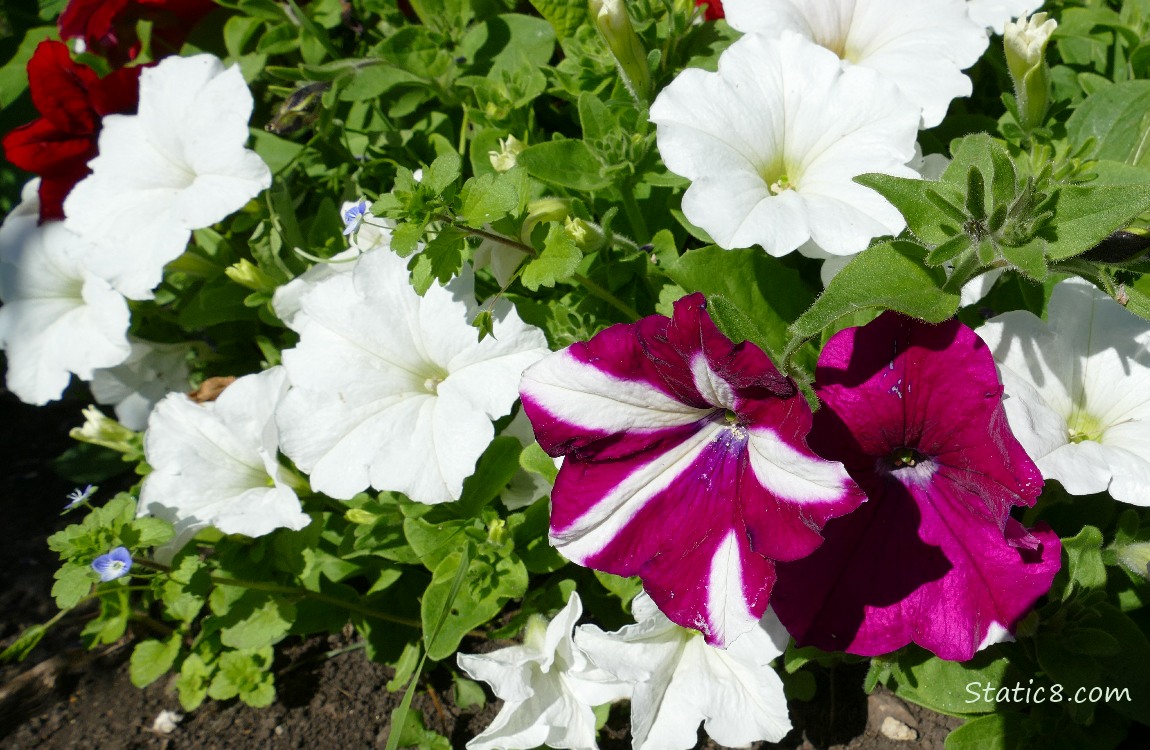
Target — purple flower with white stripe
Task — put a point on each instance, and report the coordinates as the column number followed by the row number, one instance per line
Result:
column 686, row 465
column 113, row 565
column 933, row 557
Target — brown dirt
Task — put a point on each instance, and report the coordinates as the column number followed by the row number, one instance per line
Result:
column 64, row 697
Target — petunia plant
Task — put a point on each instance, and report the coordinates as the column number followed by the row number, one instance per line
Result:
column 694, row 347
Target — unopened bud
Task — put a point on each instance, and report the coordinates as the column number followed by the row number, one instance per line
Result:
column 1136, row 557
column 611, row 19
column 245, row 273
column 102, row 430
column 1025, row 41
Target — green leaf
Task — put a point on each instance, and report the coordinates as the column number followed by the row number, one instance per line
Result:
column 1084, row 554
column 1116, row 117
column 469, row 694
column 443, row 172
column 246, row 674
column 955, row 688
column 73, row 582
column 14, row 74
column 566, row 163
column 405, row 238
column 488, row 198
column 152, row 532
column 434, row 542
column 490, row 581
column 1084, row 215
column 19, row 649
column 766, row 292
column 558, row 261
column 151, row 659
column 887, row 276
column 565, row 16
column 1029, row 259
column 266, row 624
column 192, row 684
column 931, row 209
column 534, row 459
column 416, row 734
column 498, row 464
column 1004, row 731
column 503, row 43
column 441, row 259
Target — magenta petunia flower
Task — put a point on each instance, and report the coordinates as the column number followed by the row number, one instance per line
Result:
column 686, row 464
column 915, row 413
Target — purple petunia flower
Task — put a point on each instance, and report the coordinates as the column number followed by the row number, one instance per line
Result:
column 915, row 413
column 686, row 464
column 113, row 565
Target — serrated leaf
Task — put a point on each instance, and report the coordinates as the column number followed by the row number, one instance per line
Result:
column 490, row 582
column 151, row 659
column 565, row 16
column 558, row 261
column 266, row 624
column 73, row 583
column 443, row 172
column 488, row 198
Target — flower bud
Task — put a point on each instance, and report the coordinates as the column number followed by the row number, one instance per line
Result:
column 1025, row 42
column 99, row 429
column 1136, row 557
column 610, row 17
column 247, row 274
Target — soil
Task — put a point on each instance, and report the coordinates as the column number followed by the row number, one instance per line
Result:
column 65, row 697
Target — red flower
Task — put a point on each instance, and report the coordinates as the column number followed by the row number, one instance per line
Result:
column 714, row 9
column 108, row 27
column 72, row 101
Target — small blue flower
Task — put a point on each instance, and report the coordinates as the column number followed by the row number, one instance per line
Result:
column 79, row 496
column 354, row 216
column 113, row 565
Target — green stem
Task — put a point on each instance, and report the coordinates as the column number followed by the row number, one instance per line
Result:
column 493, row 236
column 607, row 297
column 634, row 215
column 275, row 588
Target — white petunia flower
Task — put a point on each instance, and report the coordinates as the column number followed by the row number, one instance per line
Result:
column 392, row 390
column 58, row 318
column 214, row 464
column 773, row 141
column 178, row 165
column 993, row 14
column 1078, row 390
column 680, row 680
column 134, row 386
column 922, row 46
column 547, row 685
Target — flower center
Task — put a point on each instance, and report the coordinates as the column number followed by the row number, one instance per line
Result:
column 781, row 185
column 1082, row 427
column 907, row 465
column 432, row 381
column 902, row 457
